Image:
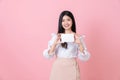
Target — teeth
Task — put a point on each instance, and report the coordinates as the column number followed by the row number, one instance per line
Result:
column 66, row 25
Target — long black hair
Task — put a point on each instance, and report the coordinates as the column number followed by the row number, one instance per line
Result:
column 60, row 27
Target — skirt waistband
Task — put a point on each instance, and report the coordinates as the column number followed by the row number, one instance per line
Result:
column 58, row 58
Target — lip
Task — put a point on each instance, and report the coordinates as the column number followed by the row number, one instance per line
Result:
column 66, row 25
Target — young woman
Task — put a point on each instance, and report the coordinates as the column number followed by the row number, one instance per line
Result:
column 65, row 66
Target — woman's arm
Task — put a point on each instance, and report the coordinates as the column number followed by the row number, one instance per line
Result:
column 81, row 48
column 57, row 41
column 50, row 51
column 78, row 41
column 83, row 53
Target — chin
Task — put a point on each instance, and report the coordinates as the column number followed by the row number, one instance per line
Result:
column 66, row 28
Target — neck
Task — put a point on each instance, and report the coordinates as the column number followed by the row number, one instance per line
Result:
column 68, row 31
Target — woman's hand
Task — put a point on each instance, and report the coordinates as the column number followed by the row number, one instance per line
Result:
column 77, row 39
column 58, row 39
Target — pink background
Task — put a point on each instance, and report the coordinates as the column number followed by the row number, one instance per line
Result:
column 26, row 25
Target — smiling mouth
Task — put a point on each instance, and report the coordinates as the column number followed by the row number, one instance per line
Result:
column 66, row 25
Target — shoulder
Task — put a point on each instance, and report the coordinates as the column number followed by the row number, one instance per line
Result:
column 53, row 34
column 53, row 38
column 79, row 35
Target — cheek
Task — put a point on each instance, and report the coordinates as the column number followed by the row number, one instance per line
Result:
column 70, row 22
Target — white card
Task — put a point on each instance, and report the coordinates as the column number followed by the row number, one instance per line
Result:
column 67, row 37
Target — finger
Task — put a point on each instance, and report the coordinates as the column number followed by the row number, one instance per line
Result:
column 76, row 37
column 59, row 34
column 61, row 42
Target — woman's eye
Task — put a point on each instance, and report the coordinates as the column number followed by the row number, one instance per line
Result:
column 68, row 19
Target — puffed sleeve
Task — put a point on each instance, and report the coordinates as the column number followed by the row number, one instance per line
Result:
column 50, row 43
column 85, row 55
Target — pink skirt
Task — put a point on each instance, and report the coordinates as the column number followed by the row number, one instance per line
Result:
column 65, row 69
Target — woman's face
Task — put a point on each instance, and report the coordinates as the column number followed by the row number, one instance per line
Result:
column 66, row 22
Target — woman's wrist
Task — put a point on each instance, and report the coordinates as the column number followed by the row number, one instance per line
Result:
column 80, row 46
column 52, row 49
column 54, row 44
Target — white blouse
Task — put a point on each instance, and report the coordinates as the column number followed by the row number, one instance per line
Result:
column 72, row 50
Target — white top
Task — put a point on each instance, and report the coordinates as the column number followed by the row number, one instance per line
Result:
column 72, row 50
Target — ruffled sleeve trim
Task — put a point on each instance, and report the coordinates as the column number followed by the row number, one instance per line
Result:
column 50, row 43
column 85, row 55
